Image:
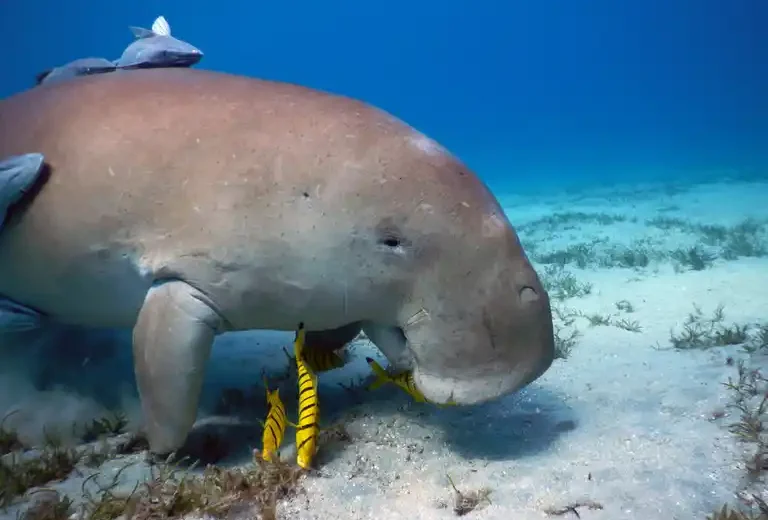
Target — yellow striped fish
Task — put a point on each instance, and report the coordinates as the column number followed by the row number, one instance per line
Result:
column 309, row 412
column 320, row 360
column 402, row 379
column 274, row 426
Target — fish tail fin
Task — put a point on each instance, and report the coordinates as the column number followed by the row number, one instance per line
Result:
column 40, row 76
column 382, row 377
column 313, row 360
column 338, row 358
column 161, row 27
column 299, row 340
column 18, row 318
column 141, row 32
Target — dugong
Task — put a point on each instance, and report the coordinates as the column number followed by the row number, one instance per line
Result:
column 186, row 203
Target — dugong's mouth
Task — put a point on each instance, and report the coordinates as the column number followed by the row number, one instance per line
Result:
column 480, row 389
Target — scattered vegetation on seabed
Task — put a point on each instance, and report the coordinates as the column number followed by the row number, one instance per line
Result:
column 748, row 238
column 573, row 508
column 702, row 332
column 169, row 492
column 175, row 493
column 750, row 399
column 9, row 440
column 562, row 285
column 465, row 502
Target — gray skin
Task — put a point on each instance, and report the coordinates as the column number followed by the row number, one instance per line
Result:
column 18, row 174
column 186, row 203
column 151, row 50
column 80, row 67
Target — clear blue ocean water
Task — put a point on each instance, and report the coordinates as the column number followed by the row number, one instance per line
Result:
column 529, row 94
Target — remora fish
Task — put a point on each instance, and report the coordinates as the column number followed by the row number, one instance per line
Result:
column 73, row 69
column 156, row 48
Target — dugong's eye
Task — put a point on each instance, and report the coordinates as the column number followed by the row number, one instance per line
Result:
column 390, row 241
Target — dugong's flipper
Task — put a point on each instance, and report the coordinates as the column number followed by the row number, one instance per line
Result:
column 15, row 317
column 17, row 174
column 172, row 342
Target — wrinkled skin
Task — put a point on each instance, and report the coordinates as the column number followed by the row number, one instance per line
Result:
column 186, row 203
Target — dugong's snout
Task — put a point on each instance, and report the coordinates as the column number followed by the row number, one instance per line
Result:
column 494, row 340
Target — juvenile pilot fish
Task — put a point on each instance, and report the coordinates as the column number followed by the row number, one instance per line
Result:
column 403, row 379
column 309, row 412
column 320, row 360
column 80, row 67
column 156, row 48
column 274, row 426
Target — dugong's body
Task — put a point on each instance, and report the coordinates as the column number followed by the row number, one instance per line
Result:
column 186, row 203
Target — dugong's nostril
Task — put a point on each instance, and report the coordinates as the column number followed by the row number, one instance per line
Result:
column 528, row 295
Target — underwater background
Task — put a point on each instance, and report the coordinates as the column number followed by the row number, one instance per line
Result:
column 627, row 143
column 529, row 94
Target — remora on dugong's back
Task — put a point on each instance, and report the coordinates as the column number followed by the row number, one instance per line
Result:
column 186, row 203
column 17, row 175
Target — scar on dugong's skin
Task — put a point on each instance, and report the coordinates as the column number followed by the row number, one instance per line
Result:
column 185, row 203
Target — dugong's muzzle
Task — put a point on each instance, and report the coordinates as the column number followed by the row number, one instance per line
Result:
column 488, row 345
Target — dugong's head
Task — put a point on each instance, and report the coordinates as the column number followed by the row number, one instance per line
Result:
column 473, row 312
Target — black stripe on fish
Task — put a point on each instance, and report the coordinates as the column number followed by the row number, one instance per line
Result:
column 276, row 410
column 274, row 435
column 301, row 445
column 306, row 408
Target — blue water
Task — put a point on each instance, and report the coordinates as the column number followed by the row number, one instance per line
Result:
column 531, row 94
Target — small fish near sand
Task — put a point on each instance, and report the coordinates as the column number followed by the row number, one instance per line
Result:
column 308, row 426
column 73, row 69
column 274, row 426
column 156, row 48
column 402, row 379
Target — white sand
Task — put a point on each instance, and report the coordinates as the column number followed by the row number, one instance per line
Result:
column 620, row 422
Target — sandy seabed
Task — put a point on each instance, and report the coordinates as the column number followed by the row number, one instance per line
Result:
column 623, row 421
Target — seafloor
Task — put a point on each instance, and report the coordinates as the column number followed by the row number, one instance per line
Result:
column 652, row 411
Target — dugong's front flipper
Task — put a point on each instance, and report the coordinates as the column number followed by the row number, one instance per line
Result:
column 15, row 317
column 172, row 342
column 17, row 174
